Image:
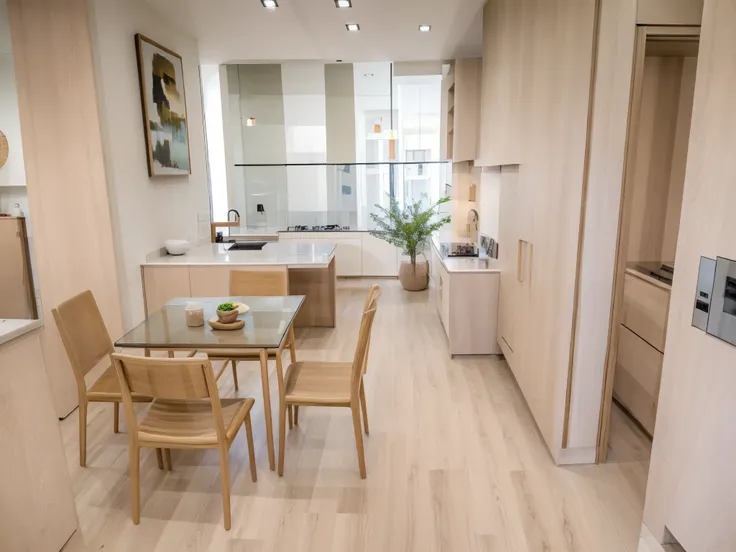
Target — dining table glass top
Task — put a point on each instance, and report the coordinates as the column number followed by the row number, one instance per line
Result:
column 266, row 323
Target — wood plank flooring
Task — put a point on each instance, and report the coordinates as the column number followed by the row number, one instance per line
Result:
column 455, row 463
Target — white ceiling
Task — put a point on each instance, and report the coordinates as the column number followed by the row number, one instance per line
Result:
column 242, row 30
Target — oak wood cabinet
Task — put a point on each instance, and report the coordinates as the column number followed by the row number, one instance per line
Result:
column 17, row 299
column 500, row 116
column 462, row 91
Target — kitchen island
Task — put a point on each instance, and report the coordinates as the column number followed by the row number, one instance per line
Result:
column 204, row 271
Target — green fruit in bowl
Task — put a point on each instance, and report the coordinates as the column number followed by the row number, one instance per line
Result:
column 227, row 307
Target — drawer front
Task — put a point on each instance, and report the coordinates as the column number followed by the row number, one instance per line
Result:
column 638, row 375
column 645, row 310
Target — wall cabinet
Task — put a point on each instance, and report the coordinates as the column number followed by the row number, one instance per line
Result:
column 500, row 116
column 462, row 92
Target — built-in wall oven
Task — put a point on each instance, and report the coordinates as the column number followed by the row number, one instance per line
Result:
column 722, row 316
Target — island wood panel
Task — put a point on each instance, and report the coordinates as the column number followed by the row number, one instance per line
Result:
column 37, row 511
column 67, row 186
column 318, row 284
column 645, row 310
column 637, row 379
column 161, row 284
column 690, row 489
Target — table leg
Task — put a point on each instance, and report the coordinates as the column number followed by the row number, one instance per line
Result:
column 267, row 408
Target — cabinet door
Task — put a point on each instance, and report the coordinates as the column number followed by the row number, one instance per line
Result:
column 16, row 298
column 509, row 294
column 443, row 298
column 348, row 257
column 210, row 281
column 379, row 258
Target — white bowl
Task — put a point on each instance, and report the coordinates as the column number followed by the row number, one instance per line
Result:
column 176, row 247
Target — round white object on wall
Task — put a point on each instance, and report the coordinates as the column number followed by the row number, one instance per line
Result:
column 3, row 149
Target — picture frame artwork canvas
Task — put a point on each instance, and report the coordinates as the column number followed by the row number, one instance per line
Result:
column 163, row 97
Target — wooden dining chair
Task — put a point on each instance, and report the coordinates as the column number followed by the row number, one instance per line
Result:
column 330, row 384
column 259, row 283
column 186, row 413
column 87, row 343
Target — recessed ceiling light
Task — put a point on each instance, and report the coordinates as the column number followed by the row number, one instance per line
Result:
column 352, row 27
column 425, row 28
column 343, row 4
column 270, row 4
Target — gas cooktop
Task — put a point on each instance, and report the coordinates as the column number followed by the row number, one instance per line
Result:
column 325, row 228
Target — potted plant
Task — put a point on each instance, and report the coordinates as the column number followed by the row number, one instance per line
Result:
column 227, row 313
column 410, row 230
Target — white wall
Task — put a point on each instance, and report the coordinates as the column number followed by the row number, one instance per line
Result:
column 145, row 211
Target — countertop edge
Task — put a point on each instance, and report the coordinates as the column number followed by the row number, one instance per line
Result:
column 14, row 334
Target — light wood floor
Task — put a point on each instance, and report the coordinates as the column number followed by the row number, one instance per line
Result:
column 455, row 463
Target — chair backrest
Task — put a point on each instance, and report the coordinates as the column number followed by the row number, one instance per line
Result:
column 260, row 282
column 180, row 379
column 360, row 360
column 83, row 334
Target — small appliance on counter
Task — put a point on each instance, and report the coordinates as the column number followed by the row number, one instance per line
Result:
column 455, row 249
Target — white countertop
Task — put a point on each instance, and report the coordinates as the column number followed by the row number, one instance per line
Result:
column 467, row 265
column 12, row 328
column 294, row 255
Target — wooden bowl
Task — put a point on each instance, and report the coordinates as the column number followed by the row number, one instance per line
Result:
column 227, row 317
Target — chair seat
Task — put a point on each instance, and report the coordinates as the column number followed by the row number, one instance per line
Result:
column 107, row 389
column 190, row 423
column 326, row 383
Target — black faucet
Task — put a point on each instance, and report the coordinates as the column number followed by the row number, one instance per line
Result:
column 236, row 214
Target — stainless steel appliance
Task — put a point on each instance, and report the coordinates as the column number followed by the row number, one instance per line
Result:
column 722, row 316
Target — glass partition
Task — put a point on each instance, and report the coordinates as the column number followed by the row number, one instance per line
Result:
column 276, row 197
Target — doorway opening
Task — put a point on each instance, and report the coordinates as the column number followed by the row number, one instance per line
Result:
column 660, row 112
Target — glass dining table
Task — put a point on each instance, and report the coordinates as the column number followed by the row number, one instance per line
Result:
column 268, row 322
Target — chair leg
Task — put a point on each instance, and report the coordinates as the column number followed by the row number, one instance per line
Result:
column 282, row 435
column 160, row 459
column 364, row 407
column 251, row 450
column 83, row 433
column 235, row 373
column 292, row 345
column 358, row 438
column 167, row 454
column 225, row 477
column 291, row 417
column 296, row 415
column 116, row 419
column 135, row 483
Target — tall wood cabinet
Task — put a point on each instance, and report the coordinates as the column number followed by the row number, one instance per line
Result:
column 541, row 197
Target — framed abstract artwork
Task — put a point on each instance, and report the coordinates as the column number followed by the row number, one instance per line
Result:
column 161, row 75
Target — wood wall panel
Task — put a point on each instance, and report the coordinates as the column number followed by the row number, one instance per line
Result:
column 600, row 231
column 692, row 476
column 37, row 510
column 67, row 189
